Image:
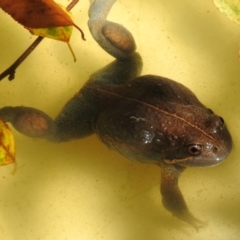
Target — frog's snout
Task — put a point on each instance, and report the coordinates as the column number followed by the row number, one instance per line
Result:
column 221, row 152
column 214, row 154
column 226, row 145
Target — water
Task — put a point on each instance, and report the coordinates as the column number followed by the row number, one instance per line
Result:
column 82, row 190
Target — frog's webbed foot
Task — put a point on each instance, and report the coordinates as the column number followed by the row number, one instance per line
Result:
column 28, row 121
column 172, row 197
column 112, row 37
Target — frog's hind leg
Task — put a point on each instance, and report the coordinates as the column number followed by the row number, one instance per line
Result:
column 119, row 71
column 116, row 40
column 73, row 122
column 112, row 37
column 75, row 119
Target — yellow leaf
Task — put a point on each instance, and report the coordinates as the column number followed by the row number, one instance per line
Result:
column 7, row 145
column 56, row 33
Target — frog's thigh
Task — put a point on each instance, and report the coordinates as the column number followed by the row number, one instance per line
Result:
column 74, row 121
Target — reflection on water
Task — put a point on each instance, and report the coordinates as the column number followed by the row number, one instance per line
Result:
column 81, row 189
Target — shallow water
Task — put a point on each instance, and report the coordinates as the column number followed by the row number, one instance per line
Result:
column 82, row 190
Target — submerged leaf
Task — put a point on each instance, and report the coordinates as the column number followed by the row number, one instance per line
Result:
column 229, row 7
column 7, row 145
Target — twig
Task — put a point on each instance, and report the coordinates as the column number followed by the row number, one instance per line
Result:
column 72, row 5
column 12, row 69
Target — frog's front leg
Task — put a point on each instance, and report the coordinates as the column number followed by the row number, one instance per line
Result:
column 172, row 197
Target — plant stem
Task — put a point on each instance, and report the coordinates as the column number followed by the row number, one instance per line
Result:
column 12, row 69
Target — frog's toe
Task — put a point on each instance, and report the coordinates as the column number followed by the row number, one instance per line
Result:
column 193, row 221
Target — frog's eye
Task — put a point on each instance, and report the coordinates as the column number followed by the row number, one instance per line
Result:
column 194, row 149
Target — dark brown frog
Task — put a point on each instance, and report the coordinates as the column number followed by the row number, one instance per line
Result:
column 148, row 119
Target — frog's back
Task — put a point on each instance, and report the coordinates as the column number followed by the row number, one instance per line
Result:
column 149, row 89
column 132, row 116
column 149, row 93
column 158, row 91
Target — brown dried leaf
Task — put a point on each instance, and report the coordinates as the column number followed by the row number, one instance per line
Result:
column 36, row 13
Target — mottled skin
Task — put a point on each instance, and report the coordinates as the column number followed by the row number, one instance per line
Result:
column 149, row 119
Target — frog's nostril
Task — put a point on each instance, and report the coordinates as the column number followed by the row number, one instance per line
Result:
column 214, row 149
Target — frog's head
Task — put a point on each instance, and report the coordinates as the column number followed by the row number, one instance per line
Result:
column 207, row 146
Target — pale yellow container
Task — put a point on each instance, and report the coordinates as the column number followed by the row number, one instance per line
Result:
column 81, row 189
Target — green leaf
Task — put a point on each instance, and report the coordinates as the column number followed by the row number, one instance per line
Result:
column 229, row 7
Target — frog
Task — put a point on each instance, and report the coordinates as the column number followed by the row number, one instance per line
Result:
column 148, row 119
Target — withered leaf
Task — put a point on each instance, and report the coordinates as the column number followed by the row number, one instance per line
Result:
column 36, row 13
column 7, row 145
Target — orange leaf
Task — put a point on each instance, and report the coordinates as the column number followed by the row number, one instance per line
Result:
column 36, row 13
